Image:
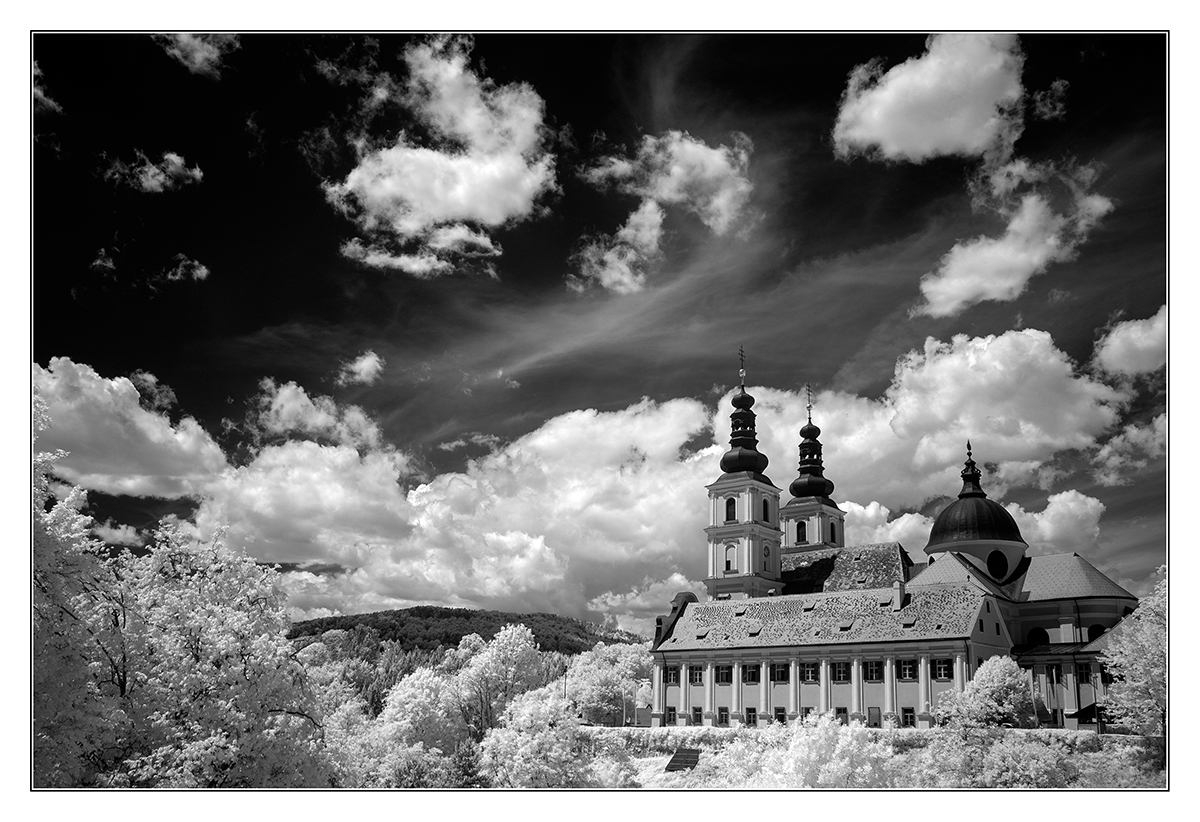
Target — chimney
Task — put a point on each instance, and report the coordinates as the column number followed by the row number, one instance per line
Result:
column 897, row 595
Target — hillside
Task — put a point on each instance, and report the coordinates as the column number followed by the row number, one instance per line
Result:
column 425, row 627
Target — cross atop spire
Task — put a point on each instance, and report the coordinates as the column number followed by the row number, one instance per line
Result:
column 742, row 360
column 808, row 405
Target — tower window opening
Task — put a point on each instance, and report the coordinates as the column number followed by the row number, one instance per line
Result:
column 730, row 509
column 766, row 511
column 801, row 532
column 730, row 557
column 833, row 532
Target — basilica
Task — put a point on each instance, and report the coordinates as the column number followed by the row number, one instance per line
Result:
column 796, row 621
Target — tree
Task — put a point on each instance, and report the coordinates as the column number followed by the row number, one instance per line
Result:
column 604, row 681
column 492, row 676
column 421, row 709
column 1135, row 654
column 997, row 695
column 538, row 746
column 168, row 668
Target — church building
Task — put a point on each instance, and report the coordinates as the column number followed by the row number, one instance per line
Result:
column 796, row 621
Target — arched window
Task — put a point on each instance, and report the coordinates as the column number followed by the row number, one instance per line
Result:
column 801, row 532
column 833, row 532
column 1095, row 631
column 730, row 557
column 730, row 509
column 766, row 511
column 1037, row 636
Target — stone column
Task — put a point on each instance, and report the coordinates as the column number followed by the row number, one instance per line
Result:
column 735, row 693
column 856, row 684
column 685, row 690
column 657, row 691
column 960, row 671
column 764, row 689
column 924, row 694
column 793, row 687
column 823, row 705
column 710, row 693
column 889, row 691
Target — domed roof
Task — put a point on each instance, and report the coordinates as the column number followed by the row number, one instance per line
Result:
column 973, row 516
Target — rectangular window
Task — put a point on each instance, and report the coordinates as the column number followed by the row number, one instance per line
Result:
column 671, row 675
column 943, row 669
column 724, row 674
column 751, row 674
column 751, row 716
column 781, row 716
column 908, row 669
column 695, row 675
column 1083, row 671
column 842, row 715
column 697, row 716
column 908, row 718
column 997, row 629
column 812, row 672
column 874, row 719
column 841, row 672
column 671, row 719
column 723, row 717
column 779, row 672
column 981, row 625
column 874, row 671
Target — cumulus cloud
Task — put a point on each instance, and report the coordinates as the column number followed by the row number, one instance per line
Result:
column 41, row 100
column 169, row 173
column 116, row 534
column 1134, row 346
column 183, row 268
column 1122, row 456
column 673, row 169
column 156, row 396
column 116, row 445
column 1070, row 522
column 202, row 54
column 961, row 97
column 422, row 207
column 288, row 411
column 999, row 269
column 1050, row 104
column 365, row 369
column 873, row 523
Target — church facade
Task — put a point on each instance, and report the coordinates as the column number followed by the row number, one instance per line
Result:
column 796, row 621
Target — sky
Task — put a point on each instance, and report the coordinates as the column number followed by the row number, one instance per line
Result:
column 456, row 320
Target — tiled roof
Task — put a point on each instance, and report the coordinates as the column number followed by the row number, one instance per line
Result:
column 1063, row 576
column 1060, row 576
column 838, row 618
column 857, row 567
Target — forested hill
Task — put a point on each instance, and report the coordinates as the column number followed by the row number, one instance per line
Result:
column 426, row 627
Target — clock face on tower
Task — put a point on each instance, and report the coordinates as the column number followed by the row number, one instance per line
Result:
column 766, row 550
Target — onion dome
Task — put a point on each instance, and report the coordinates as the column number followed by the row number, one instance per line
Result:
column 973, row 517
column 812, row 481
column 743, row 452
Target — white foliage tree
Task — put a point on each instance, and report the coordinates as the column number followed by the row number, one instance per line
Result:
column 605, row 681
column 997, row 695
column 1136, row 657
column 538, row 746
column 507, row 666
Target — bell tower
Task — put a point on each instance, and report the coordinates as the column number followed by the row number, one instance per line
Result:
column 743, row 531
column 811, row 519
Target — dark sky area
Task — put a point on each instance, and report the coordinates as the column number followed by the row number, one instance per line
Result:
column 454, row 320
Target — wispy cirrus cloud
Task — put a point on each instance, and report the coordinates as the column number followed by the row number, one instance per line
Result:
column 202, row 54
column 422, row 208
column 674, row 169
column 171, row 172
